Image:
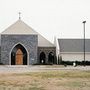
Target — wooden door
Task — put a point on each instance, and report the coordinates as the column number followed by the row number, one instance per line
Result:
column 19, row 57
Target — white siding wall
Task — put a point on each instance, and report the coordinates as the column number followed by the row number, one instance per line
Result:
column 75, row 56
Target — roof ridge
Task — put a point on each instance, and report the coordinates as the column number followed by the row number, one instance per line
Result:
column 21, row 28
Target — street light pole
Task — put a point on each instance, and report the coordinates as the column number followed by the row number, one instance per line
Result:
column 84, row 40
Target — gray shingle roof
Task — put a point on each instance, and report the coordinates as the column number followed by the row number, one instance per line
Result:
column 20, row 28
column 74, row 45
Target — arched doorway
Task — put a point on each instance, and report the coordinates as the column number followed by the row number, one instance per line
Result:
column 42, row 58
column 19, row 55
column 51, row 58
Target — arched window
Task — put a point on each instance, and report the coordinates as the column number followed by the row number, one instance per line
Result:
column 42, row 58
column 51, row 58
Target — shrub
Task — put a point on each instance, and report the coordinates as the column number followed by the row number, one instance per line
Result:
column 77, row 62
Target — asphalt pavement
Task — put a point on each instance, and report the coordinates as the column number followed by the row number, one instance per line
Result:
column 38, row 68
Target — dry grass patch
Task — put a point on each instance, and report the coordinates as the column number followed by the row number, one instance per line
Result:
column 47, row 80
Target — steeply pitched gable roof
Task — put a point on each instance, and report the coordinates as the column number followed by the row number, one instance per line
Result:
column 74, row 45
column 20, row 28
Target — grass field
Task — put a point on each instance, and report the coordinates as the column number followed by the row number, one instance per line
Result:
column 47, row 80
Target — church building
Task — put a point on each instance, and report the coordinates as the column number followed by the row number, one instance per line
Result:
column 21, row 45
column 73, row 50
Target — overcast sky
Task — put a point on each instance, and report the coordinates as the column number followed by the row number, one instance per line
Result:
column 61, row 18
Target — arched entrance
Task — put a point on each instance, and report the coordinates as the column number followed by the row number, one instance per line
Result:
column 42, row 58
column 19, row 55
column 51, row 58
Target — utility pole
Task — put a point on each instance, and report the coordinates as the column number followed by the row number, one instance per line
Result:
column 84, row 40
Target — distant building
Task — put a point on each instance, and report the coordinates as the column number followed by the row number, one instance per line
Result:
column 73, row 49
column 21, row 45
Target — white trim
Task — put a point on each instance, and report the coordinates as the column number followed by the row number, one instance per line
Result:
column 57, row 49
column 74, row 52
column 72, row 38
column 25, row 49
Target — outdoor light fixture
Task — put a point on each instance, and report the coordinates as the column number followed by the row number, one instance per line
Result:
column 84, row 40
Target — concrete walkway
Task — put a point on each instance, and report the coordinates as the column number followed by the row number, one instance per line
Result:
column 38, row 68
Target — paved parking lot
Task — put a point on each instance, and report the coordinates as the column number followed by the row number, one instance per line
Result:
column 38, row 68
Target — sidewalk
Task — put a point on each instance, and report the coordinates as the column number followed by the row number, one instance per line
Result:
column 38, row 68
